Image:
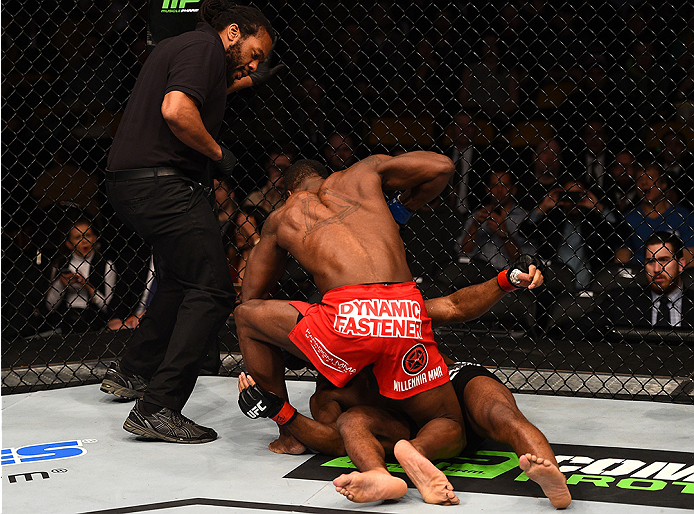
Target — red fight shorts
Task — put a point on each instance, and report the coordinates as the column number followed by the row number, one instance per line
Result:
column 381, row 324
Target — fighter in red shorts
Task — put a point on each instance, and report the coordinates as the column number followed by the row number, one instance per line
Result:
column 352, row 416
column 381, row 324
column 340, row 229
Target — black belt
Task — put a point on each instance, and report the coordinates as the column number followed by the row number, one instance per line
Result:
column 140, row 173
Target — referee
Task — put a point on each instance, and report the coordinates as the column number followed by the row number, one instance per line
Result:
column 159, row 181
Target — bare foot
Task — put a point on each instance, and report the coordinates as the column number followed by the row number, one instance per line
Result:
column 549, row 477
column 427, row 478
column 287, row 444
column 370, row 486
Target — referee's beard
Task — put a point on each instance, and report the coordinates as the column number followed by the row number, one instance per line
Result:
column 233, row 60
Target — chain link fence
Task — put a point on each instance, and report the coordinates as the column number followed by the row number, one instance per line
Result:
column 572, row 130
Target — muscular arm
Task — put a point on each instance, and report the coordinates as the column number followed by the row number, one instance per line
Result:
column 465, row 304
column 422, row 175
column 265, row 265
column 472, row 301
column 183, row 118
column 320, row 434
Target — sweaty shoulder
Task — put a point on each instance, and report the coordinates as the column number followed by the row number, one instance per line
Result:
column 365, row 172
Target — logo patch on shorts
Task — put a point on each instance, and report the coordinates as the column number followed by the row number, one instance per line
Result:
column 415, row 360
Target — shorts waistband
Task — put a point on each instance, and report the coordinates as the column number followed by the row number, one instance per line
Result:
column 373, row 287
column 140, row 173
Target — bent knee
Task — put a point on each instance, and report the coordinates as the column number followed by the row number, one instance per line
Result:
column 243, row 313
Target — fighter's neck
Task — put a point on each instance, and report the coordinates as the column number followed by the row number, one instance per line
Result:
column 311, row 184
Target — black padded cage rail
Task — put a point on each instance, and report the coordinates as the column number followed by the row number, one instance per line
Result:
column 588, row 104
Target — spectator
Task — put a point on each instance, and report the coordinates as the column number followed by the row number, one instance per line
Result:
column 678, row 165
column 82, row 281
column 466, row 183
column 573, row 226
column 664, row 303
column 620, row 191
column 224, row 195
column 270, row 195
column 339, row 151
column 493, row 233
column 655, row 212
column 547, row 170
column 248, row 224
column 491, row 87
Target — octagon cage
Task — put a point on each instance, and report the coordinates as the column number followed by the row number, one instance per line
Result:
column 571, row 126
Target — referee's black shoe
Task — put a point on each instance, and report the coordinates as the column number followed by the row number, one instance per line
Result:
column 123, row 386
column 167, row 425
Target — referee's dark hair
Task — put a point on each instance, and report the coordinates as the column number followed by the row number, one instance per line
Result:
column 222, row 13
column 662, row 237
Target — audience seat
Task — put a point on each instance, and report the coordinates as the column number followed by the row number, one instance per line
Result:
column 616, row 276
column 565, row 312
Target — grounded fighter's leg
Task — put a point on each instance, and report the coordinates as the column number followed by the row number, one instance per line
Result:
column 365, row 432
column 493, row 413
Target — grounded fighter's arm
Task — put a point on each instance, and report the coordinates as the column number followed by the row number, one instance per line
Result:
column 471, row 302
column 320, row 434
column 421, row 175
column 321, row 437
column 265, row 264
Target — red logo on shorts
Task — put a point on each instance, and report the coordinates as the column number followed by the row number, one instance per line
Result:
column 415, row 360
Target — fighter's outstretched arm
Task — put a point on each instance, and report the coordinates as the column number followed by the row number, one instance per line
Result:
column 472, row 301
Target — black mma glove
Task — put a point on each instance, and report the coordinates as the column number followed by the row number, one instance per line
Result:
column 256, row 402
column 264, row 72
column 224, row 166
column 508, row 278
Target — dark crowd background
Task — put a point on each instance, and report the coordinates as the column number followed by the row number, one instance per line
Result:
column 588, row 103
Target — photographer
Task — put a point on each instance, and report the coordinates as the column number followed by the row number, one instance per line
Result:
column 571, row 225
column 492, row 233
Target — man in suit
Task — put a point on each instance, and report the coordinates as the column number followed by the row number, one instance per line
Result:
column 665, row 303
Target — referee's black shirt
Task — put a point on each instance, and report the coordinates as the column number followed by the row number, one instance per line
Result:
column 193, row 63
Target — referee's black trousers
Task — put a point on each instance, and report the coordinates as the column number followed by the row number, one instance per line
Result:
column 195, row 293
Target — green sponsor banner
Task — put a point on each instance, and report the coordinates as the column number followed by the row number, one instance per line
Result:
column 604, row 474
column 168, row 18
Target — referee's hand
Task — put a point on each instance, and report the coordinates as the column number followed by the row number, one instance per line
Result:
column 224, row 166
